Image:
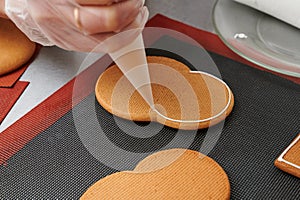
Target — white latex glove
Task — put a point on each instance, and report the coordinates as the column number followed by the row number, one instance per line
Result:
column 79, row 25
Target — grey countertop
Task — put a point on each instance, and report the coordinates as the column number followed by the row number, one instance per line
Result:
column 193, row 12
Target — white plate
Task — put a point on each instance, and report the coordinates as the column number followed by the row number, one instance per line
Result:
column 258, row 37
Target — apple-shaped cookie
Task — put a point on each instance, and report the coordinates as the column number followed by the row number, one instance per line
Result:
column 183, row 99
column 170, row 174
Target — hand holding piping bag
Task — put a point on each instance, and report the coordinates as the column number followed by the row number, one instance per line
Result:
column 110, row 26
column 78, row 25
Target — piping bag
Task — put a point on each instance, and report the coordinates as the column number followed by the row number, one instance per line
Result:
column 131, row 60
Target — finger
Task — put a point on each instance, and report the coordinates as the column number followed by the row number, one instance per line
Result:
column 103, row 19
column 112, row 41
column 104, row 42
column 97, row 2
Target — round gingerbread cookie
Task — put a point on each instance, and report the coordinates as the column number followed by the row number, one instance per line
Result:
column 15, row 48
column 174, row 174
column 184, row 99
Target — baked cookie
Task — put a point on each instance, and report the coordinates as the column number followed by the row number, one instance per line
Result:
column 15, row 48
column 188, row 175
column 289, row 160
column 183, row 99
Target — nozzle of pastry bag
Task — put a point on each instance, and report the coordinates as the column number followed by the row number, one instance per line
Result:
column 131, row 60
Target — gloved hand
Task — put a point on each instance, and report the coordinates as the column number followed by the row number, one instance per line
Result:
column 79, row 25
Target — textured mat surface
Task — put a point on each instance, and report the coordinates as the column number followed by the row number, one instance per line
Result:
column 56, row 164
column 8, row 80
column 265, row 119
column 9, row 96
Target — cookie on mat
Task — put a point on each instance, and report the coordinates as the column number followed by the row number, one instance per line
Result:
column 190, row 175
column 289, row 160
column 184, row 99
column 15, row 48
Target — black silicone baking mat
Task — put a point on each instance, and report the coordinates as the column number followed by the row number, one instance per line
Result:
column 265, row 119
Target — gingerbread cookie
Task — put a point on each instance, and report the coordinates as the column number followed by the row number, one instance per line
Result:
column 187, row 175
column 159, row 160
column 15, row 48
column 289, row 160
column 184, row 99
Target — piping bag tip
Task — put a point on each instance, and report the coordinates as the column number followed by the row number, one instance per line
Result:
column 131, row 60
